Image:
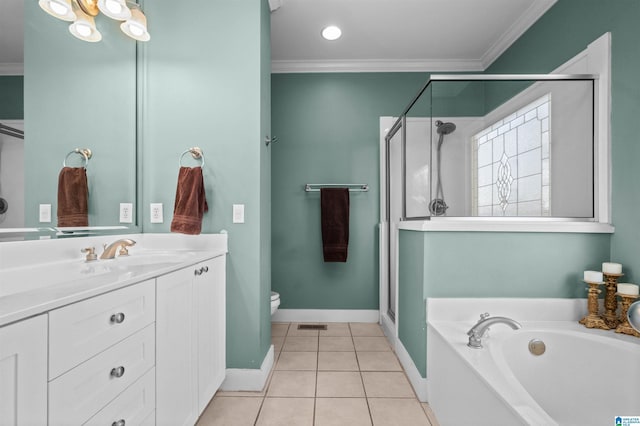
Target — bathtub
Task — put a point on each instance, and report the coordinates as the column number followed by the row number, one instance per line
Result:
column 585, row 377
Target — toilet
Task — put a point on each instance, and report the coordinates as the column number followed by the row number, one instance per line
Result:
column 275, row 301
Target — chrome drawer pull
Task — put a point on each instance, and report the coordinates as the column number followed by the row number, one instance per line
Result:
column 117, row 318
column 206, row 269
column 120, row 422
column 117, row 372
column 198, row 271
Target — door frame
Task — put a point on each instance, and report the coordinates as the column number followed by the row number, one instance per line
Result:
column 388, row 321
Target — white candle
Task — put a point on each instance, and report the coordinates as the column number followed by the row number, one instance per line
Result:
column 626, row 288
column 593, row 276
column 611, row 268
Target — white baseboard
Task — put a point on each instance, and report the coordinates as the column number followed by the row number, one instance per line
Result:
column 326, row 315
column 249, row 379
column 388, row 327
column 418, row 382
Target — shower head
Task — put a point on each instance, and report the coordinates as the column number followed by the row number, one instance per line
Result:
column 445, row 128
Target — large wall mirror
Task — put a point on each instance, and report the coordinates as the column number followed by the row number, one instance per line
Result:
column 76, row 95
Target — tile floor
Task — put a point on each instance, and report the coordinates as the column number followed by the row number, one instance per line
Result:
column 346, row 375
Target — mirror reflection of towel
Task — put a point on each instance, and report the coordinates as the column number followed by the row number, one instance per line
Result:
column 73, row 197
column 191, row 202
column 334, row 209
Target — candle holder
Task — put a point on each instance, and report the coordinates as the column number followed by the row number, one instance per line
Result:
column 593, row 320
column 610, row 300
column 624, row 327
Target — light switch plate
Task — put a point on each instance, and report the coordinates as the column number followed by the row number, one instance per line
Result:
column 155, row 210
column 126, row 213
column 238, row 213
column 45, row 213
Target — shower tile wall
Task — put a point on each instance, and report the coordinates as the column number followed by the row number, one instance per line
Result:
column 512, row 164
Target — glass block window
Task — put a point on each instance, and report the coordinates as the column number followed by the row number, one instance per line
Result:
column 511, row 164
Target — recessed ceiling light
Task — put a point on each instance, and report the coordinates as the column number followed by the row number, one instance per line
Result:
column 331, row 32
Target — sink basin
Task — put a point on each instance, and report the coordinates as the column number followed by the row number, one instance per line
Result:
column 154, row 257
column 35, row 277
column 20, row 280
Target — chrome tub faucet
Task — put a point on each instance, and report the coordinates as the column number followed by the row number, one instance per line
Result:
column 110, row 250
column 477, row 331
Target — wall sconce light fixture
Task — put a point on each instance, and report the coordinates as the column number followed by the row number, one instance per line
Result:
column 82, row 12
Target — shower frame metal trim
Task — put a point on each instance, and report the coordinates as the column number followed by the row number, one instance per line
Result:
column 400, row 123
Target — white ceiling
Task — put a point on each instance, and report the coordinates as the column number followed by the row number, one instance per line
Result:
column 378, row 35
column 397, row 35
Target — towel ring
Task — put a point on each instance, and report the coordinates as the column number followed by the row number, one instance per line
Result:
column 85, row 152
column 196, row 153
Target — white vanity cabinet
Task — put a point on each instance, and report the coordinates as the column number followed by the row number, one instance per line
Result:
column 190, row 341
column 99, row 350
column 133, row 341
column 23, row 372
column 210, row 292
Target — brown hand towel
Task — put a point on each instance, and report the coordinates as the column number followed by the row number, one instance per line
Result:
column 73, row 197
column 191, row 202
column 334, row 207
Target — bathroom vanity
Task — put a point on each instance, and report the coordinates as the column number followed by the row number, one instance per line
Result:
column 134, row 340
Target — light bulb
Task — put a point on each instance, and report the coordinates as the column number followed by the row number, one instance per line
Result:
column 83, row 29
column 136, row 30
column 58, row 8
column 113, row 7
column 136, row 26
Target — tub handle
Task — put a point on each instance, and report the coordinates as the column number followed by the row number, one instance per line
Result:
column 483, row 317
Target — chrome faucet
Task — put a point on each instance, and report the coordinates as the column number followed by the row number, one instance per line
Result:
column 477, row 331
column 110, row 250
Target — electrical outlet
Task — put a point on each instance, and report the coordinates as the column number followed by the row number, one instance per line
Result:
column 156, row 212
column 45, row 213
column 238, row 213
column 126, row 213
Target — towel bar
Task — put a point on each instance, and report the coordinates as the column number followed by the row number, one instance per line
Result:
column 353, row 187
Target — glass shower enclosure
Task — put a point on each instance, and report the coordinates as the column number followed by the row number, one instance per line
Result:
column 491, row 147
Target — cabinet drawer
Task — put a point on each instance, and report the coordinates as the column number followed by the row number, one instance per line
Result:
column 81, row 330
column 80, row 393
column 132, row 407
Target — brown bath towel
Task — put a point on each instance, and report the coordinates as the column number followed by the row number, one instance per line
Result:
column 191, row 202
column 334, row 208
column 73, row 197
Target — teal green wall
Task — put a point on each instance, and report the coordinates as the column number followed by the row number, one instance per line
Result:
column 562, row 32
column 11, row 93
column 503, row 264
column 265, row 176
column 488, row 264
column 205, row 83
column 328, row 132
column 78, row 94
column 411, row 316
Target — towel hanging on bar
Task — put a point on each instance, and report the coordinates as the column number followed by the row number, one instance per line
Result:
column 334, row 211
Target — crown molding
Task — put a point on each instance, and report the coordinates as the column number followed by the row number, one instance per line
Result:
column 318, row 66
column 11, row 68
column 515, row 31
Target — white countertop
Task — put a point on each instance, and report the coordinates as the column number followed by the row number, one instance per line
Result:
column 38, row 276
